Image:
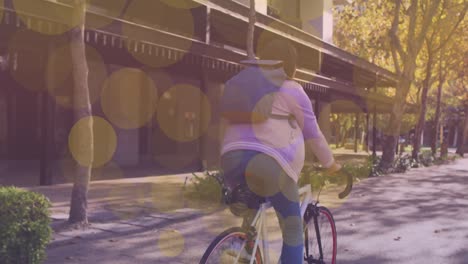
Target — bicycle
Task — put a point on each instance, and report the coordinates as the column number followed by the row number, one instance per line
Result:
column 242, row 244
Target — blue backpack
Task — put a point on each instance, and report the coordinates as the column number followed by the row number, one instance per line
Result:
column 248, row 96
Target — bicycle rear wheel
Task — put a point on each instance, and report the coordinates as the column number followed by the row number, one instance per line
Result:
column 226, row 247
column 325, row 226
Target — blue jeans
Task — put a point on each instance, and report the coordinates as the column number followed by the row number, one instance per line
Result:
column 265, row 177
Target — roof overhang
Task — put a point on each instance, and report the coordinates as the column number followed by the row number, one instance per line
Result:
column 157, row 42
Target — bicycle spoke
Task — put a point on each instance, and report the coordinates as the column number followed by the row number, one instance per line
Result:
column 231, row 247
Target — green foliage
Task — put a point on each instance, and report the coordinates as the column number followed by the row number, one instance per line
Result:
column 374, row 164
column 403, row 163
column 319, row 178
column 358, row 171
column 392, row 35
column 204, row 187
column 314, row 177
column 426, row 158
column 24, row 226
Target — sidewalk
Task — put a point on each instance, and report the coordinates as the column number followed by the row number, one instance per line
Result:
column 137, row 220
column 418, row 217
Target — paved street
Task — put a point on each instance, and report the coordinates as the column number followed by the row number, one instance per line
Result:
column 417, row 217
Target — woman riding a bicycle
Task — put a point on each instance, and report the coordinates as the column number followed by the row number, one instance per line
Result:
column 269, row 156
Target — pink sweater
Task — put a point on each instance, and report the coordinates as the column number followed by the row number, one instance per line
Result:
column 278, row 139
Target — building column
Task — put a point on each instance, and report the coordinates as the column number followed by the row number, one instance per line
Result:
column 47, row 138
column 208, row 26
column 211, row 140
column 3, row 122
column 374, row 133
column 356, row 132
column 324, row 119
column 366, row 137
column 455, row 137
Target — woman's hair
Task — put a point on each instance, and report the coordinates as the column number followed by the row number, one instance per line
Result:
column 283, row 50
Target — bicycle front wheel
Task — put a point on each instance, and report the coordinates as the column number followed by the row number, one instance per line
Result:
column 319, row 231
column 228, row 246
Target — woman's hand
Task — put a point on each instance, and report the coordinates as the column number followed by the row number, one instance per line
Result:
column 334, row 168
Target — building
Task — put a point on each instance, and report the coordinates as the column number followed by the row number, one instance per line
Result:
column 184, row 50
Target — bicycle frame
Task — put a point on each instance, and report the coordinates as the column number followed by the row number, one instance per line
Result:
column 260, row 221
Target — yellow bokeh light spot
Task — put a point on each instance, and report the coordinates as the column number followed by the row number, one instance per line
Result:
column 184, row 113
column 94, row 149
column 156, row 14
column 52, row 11
column 255, row 182
column 59, row 76
column 129, row 98
column 171, row 243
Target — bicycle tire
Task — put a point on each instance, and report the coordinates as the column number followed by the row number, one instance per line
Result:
column 234, row 232
column 328, row 237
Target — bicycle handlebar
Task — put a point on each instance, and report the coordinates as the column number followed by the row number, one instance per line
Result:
column 342, row 195
column 349, row 182
column 349, row 186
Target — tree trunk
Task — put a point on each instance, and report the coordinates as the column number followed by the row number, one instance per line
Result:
column 437, row 113
column 405, row 66
column 422, row 115
column 344, row 137
column 251, row 31
column 435, row 132
column 392, row 132
column 463, row 140
column 82, row 108
column 337, row 135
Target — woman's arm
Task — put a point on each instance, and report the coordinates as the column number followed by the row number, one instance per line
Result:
column 313, row 136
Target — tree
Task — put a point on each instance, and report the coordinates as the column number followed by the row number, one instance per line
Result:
column 442, row 77
column 82, row 108
column 461, row 148
column 445, row 25
column 452, row 79
column 405, row 45
column 399, row 29
column 251, row 30
column 460, row 92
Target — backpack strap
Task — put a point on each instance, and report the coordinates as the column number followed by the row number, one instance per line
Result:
column 290, row 118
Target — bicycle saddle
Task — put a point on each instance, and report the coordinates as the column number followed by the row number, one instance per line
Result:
column 240, row 199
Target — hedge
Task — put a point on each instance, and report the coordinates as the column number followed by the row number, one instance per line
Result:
column 24, row 226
